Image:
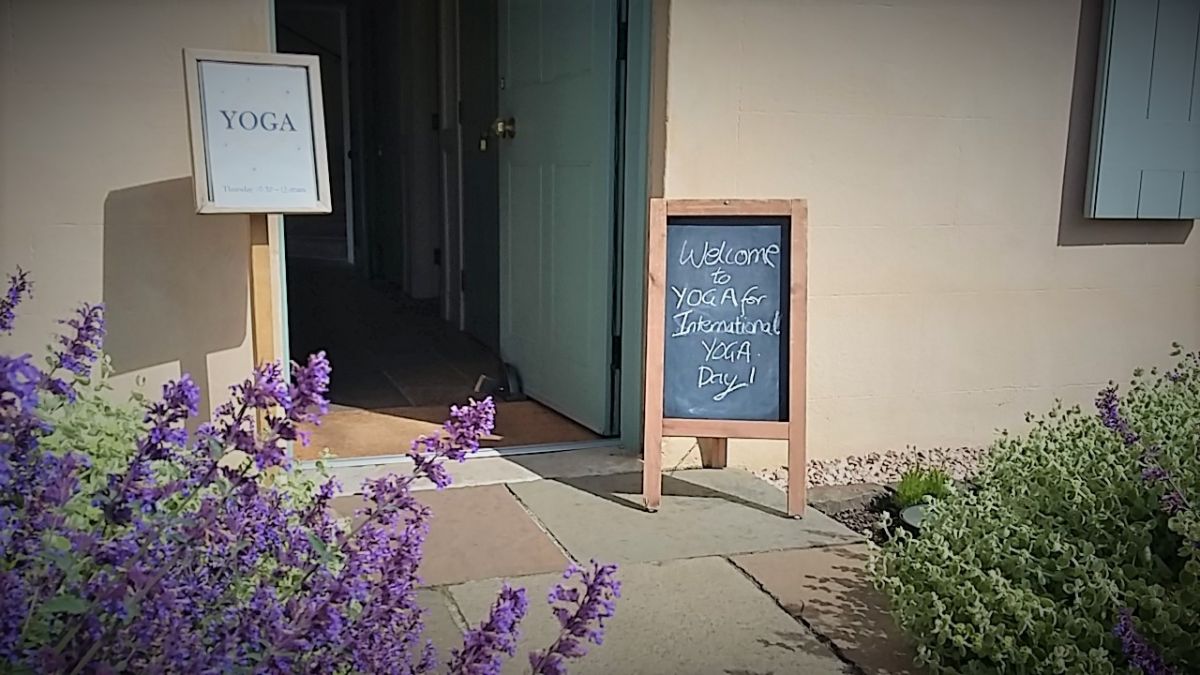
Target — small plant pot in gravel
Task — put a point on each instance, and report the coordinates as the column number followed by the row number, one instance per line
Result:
column 913, row 516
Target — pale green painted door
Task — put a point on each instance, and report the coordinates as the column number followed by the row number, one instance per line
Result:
column 557, row 83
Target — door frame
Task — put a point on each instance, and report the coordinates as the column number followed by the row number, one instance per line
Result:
column 632, row 225
column 634, row 214
column 450, row 161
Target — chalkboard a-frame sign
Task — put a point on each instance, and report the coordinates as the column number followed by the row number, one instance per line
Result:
column 726, row 331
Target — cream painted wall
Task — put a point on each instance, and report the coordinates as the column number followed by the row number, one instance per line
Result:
column 953, row 285
column 95, row 182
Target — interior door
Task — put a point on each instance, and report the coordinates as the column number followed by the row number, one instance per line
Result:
column 557, row 68
column 450, row 162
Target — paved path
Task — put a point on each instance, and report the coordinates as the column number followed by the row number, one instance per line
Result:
column 718, row 581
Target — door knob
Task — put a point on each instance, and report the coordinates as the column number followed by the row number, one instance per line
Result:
column 504, row 127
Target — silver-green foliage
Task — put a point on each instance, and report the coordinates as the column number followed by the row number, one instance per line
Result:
column 101, row 426
column 1028, row 573
column 98, row 425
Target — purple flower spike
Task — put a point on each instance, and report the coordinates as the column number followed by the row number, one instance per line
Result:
column 1137, row 650
column 308, row 391
column 180, row 400
column 1154, row 474
column 467, row 424
column 19, row 381
column 268, row 388
column 1110, row 414
column 80, row 351
column 462, row 433
column 182, row 395
column 483, row 646
column 1174, row 503
column 19, row 287
column 586, row 623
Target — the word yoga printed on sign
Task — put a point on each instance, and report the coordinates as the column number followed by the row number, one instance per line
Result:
column 726, row 330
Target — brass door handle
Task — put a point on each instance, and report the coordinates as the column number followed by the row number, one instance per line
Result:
column 504, row 127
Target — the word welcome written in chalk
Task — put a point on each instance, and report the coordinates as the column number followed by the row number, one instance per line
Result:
column 722, row 254
column 724, row 321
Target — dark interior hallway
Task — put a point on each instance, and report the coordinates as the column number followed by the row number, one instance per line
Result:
column 386, row 350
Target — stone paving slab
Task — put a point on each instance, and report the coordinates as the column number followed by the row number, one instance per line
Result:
column 684, row 617
column 478, row 533
column 441, row 621
column 829, row 589
column 704, row 513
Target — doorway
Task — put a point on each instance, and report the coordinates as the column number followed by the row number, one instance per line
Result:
column 467, row 257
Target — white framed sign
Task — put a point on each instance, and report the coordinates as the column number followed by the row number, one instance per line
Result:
column 257, row 128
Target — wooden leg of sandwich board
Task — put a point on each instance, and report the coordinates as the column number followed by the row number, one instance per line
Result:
column 798, row 363
column 714, row 452
column 652, row 465
column 656, row 298
column 797, row 475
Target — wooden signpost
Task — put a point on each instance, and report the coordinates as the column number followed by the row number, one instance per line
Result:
column 257, row 127
column 726, row 331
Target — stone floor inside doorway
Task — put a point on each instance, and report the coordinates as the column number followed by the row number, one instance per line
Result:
column 717, row 581
column 397, row 367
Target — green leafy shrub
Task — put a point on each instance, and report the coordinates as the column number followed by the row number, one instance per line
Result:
column 918, row 483
column 1083, row 525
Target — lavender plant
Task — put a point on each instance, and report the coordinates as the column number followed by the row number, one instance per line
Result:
column 1080, row 552
column 130, row 544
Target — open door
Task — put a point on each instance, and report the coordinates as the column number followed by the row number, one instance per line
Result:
column 557, row 128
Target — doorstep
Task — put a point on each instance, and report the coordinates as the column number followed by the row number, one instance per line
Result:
column 477, row 471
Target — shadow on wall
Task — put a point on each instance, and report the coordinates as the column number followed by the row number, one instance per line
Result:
column 1073, row 228
column 175, row 283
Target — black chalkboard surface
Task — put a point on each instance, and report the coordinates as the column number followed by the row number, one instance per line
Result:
column 726, row 314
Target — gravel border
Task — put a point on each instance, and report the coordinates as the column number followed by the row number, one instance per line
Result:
column 884, row 468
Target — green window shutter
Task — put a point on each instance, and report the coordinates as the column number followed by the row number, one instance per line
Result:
column 1145, row 160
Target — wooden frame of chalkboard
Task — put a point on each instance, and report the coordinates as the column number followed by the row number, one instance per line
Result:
column 784, row 421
